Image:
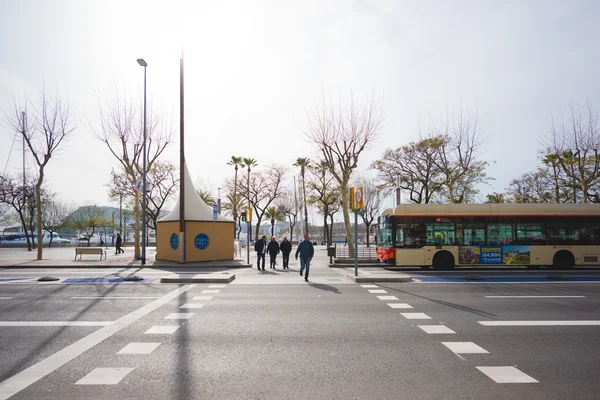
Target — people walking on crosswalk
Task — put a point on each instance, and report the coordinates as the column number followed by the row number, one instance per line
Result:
column 286, row 248
column 273, row 249
column 306, row 251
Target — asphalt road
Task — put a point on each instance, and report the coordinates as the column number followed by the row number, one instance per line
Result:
column 272, row 336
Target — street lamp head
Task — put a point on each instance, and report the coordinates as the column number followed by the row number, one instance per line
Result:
column 142, row 62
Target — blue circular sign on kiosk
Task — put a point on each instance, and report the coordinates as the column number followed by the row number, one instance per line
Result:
column 174, row 241
column 201, row 241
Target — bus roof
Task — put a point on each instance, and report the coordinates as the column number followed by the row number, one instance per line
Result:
column 496, row 209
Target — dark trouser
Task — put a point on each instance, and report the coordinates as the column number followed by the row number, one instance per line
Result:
column 119, row 249
column 260, row 255
column 286, row 259
column 273, row 260
column 305, row 265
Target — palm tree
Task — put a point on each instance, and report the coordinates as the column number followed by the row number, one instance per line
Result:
column 249, row 163
column 206, row 197
column 274, row 215
column 236, row 162
column 235, row 203
column 303, row 163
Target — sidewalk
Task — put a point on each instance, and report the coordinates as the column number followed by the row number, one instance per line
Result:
column 65, row 257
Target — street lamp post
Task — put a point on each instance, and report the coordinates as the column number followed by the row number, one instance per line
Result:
column 219, row 202
column 143, row 63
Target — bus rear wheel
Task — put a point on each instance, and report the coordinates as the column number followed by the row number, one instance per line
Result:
column 443, row 260
column 563, row 260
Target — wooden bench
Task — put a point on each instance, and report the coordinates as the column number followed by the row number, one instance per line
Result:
column 80, row 251
column 127, row 244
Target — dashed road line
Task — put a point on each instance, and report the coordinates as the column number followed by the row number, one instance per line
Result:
column 54, row 323
column 104, row 376
column 5, row 298
column 202, row 298
column 29, row 376
column 113, row 298
column 369, row 286
column 465, row 348
column 139, row 348
column 387, row 297
column 179, row 316
column 399, row 305
column 210, row 291
column 506, row 375
column 192, row 305
column 374, row 291
column 540, row 323
column 534, row 297
column 162, row 330
column 216, row 286
column 415, row 315
column 435, row 329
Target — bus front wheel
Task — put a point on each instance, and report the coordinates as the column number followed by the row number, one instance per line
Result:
column 443, row 260
column 563, row 260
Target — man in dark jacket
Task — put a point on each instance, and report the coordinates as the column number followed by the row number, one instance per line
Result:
column 118, row 248
column 306, row 251
column 286, row 249
column 273, row 249
column 261, row 249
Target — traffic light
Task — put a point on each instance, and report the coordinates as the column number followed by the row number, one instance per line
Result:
column 243, row 216
column 249, row 214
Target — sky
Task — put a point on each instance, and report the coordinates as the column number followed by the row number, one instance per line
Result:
column 253, row 69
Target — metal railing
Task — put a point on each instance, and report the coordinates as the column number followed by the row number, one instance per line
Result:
column 364, row 252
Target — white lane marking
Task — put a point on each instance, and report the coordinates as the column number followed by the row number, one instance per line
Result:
column 210, row 291
column 400, row 305
column 369, row 286
column 179, row 316
column 192, row 305
column 55, row 323
column 5, row 298
column 415, row 315
column 29, row 376
column 104, row 376
column 465, row 348
column 540, row 323
column 111, row 298
column 534, row 297
column 506, row 375
column 435, row 329
column 216, row 286
column 387, row 297
column 139, row 348
column 377, row 291
column 202, row 298
column 162, row 330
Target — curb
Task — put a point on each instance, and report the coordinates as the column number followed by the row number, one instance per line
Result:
column 381, row 278
column 198, row 279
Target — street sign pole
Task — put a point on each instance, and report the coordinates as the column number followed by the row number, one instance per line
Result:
column 355, row 242
column 214, row 238
column 248, row 228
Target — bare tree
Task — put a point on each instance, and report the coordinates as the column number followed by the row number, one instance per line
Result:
column 574, row 143
column 56, row 216
column 44, row 130
column 341, row 133
column 264, row 189
column 165, row 181
column 371, row 203
column 325, row 193
column 17, row 196
column 122, row 131
column 458, row 141
column 290, row 210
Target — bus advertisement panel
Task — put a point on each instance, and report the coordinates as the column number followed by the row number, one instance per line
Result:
column 494, row 255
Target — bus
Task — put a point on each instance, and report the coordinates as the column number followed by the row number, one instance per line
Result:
column 443, row 236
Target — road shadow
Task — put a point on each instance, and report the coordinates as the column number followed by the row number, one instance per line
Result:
column 327, row 288
column 444, row 303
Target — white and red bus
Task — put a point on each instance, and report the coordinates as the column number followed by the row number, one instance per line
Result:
column 443, row 236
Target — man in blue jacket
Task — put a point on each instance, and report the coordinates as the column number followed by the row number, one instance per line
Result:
column 306, row 251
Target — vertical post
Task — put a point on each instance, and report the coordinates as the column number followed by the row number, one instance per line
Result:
column 181, row 168
column 214, row 240
column 120, row 213
column 144, row 180
column 248, row 229
column 24, row 179
column 355, row 242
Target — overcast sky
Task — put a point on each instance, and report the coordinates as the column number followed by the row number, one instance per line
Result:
column 254, row 67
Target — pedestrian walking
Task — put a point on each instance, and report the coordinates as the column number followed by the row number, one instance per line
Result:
column 261, row 249
column 306, row 251
column 273, row 249
column 286, row 248
column 119, row 248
